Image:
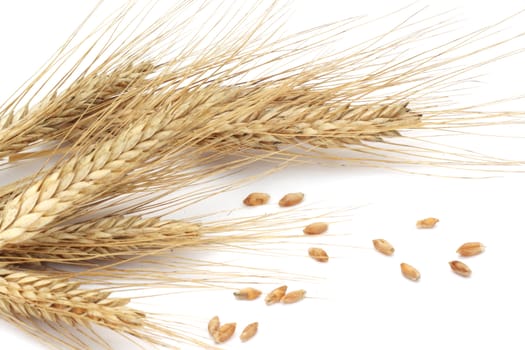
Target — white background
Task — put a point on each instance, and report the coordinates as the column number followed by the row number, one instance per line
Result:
column 359, row 300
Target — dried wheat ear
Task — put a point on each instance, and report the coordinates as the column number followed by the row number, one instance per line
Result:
column 32, row 295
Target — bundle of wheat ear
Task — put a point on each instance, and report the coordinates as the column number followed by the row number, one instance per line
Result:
column 142, row 115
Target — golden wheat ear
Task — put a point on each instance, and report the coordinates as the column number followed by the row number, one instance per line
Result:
column 66, row 115
column 62, row 303
column 105, row 238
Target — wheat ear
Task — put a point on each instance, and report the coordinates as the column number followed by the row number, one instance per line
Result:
column 326, row 126
column 69, row 113
column 106, row 238
column 37, row 296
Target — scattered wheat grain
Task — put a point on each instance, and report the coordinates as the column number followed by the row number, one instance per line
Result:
column 383, row 246
column 410, row 272
column 471, row 249
column 291, row 199
column 427, row 223
column 213, row 325
column 316, row 228
column 249, row 331
column 294, row 296
column 247, row 294
column 460, row 268
column 318, row 254
column 275, row 295
column 225, row 332
column 256, row 198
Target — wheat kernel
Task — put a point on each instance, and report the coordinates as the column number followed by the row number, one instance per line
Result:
column 291, row 199
column 410, row 272
column 247, row 294
column 383, row 246
column 213, row 325
column 471, row 249
column 249, row 331
column 316, row 228
column 293, row 297
column 427, row 223
column 460, row 268
column 318, row 254
column 256, row 198
column 275, row 295
column 224, row 332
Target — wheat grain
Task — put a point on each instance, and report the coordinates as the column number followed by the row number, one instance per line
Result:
column 249, row 331
column 471, row 249
column 410, row 272
column 213, row 325
column 247, row 294
column 318, row 254
column 224, row 333
column 293, row 296
column 291, row 199
column 383, row 246
column 256, row 198
column 460, row 268
column 316, row 228
column 427, row 223
column 275, row 295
